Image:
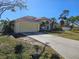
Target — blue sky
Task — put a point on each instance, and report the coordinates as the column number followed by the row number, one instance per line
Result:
column 45, row 8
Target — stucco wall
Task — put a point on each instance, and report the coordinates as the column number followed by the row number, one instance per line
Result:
column 26, row 27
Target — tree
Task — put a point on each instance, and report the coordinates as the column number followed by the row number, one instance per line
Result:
column 11, row 5
column 73, row 20
column 63, row 16
column 7, row 27
column 53, row 23
column 44, row 26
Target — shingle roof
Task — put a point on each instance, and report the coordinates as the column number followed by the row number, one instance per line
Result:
column 32, row 19
column 27, row 18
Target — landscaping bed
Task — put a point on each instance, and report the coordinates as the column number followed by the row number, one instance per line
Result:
column 8, row 44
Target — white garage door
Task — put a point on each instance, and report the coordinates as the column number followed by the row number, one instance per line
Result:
column 26, row 27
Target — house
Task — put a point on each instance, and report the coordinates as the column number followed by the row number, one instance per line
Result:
column 30, row 24
column 26, row 24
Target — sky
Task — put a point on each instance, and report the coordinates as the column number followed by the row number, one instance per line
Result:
column 45, row 8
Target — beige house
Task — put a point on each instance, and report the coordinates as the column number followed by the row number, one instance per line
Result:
column 26, row 24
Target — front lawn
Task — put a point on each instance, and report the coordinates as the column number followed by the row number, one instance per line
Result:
column 68, row 34
column 8, row 44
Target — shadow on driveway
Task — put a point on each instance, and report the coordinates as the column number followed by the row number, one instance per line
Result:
column 18, row 35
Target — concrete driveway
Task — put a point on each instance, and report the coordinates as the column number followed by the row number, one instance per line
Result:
column 69, row 49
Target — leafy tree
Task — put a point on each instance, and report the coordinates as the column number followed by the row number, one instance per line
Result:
column 11, row 5
column 6, row 27
column 53, row 18
column 73, row 20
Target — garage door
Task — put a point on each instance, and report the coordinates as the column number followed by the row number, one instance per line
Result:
column 26, row 27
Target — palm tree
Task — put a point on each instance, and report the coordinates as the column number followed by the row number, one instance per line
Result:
column 47, row 25
column 44, row 24
column 53, row 23
column 63, row 16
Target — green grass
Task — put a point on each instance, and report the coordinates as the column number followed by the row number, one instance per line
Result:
column 7, row 45
column 69, row 34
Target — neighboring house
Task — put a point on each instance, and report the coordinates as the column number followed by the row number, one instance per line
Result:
column 26, row 24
